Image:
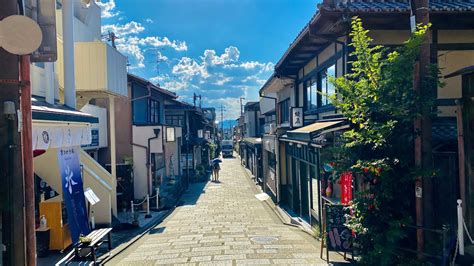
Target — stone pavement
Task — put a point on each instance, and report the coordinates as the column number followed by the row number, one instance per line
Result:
column 222, row 224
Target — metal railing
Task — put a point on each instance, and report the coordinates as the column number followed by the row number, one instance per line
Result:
column 147, row 200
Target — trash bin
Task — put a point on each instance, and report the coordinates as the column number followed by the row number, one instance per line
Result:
column 42, row 242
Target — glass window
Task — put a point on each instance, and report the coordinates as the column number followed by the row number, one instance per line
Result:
column 285, row 111
column 327, row 89
column 175, row 120
column 312, row 94
column 154, row 112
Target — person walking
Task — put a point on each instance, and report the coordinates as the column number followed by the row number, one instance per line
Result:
column 216, row 167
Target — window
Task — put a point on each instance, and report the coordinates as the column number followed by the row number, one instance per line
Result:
column 270, row 118
column 175, row 120
column 285, row 111
column 271, row 160
column 154, row 112
column 311, row 94
column 327, row 89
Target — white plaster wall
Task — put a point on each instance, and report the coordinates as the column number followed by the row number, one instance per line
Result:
column 140, row 136
column 266, row 104
column 100, row 113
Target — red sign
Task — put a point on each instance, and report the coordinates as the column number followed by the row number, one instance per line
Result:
column 346, row 187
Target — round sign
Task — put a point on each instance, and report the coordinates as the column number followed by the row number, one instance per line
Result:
column 20, row 35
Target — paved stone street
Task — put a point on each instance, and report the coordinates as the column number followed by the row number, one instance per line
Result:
column 222, row 224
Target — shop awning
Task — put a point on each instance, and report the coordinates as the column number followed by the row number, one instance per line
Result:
column 252, row 141
column 42, row 110
column 58, row 126
column 310, row 132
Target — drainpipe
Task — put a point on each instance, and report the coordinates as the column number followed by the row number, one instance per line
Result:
column 113, row 154
column 68, row 51
column 461, row 153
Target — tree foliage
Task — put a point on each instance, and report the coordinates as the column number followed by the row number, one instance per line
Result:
column 378, row 99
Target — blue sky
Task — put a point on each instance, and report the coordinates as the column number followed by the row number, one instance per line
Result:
column 221, row 49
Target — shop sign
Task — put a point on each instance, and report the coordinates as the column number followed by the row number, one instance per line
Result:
column 346, row 187
column 73, row 192
column 296, row 117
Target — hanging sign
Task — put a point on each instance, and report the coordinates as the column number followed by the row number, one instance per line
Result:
column 346, row 187
column 296, row 117
column 73, row 192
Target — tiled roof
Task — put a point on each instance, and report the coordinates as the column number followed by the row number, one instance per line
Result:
column 374, row 6
column 398, row 5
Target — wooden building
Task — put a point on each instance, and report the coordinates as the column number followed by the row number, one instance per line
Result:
column 321, row 50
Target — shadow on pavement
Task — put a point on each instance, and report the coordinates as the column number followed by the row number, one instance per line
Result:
column 191, row 196
column 157, row 230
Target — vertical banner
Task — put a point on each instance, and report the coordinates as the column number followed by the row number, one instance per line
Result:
column 73, row 192
column 346, row 187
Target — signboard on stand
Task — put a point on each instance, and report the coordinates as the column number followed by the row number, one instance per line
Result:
column 338, row 236
column 73, row 192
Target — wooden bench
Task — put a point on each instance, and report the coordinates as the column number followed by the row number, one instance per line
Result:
column 97, row 239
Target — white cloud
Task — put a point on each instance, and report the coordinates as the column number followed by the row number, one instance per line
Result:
column 107, row 9
column 149, row 20
column 134, row 51
column 162, row 42
column 220, row 78
column 131, row 42
column 187, row 68
column 231, row 54
column 123, row 30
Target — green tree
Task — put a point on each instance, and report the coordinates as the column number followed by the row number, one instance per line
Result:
column 378, row 99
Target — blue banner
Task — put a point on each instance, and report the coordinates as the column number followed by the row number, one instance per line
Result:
column 73, row 192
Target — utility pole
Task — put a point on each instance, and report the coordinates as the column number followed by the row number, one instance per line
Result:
column 222, row 121
column 422, row 128
column 12, row 197
column 241, row 106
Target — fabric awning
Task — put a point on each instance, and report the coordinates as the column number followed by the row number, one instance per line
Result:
column 312, row 131
column 58, row 126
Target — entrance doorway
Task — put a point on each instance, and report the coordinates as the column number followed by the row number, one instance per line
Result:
column 304, row 191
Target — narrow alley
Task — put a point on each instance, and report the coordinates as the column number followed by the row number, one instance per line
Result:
column 222, row 224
